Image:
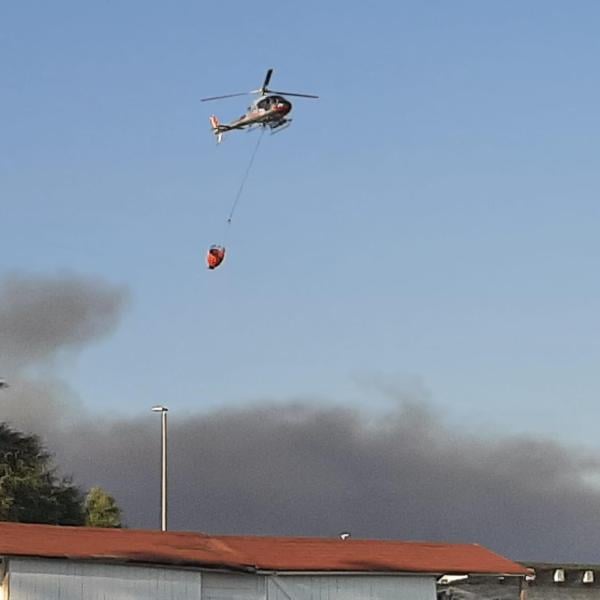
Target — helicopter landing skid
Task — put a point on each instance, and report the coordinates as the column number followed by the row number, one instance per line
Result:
column 280, row 125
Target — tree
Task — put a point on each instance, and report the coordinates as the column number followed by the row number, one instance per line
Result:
column 30, row 489
column 101, row 509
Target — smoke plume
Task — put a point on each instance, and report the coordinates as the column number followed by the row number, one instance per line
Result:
column 296, row 468
column 42, row 317
column 300, row 469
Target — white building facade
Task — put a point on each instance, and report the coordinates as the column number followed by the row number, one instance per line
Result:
column 60, row 579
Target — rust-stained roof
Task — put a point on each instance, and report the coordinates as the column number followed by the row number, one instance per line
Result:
column 250, row 553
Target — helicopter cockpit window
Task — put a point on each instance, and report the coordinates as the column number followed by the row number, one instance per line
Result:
column 265, row 103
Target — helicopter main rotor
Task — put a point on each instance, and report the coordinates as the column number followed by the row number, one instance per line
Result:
column 262, row 91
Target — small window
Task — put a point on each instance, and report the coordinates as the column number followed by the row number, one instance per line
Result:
column 559, row 576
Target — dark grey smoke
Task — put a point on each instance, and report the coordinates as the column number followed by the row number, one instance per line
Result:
column 297, row 468
column 41, row 317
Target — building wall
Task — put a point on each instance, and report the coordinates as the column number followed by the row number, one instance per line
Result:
column 542, row 587
column 483, row 588
column 351, row 587
column 229, row 586
column 30, row 579
column 217, row 586
column 37, row 579
column 573, row 587
column 562, row 593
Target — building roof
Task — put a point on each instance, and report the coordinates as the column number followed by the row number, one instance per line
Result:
column 250, row 553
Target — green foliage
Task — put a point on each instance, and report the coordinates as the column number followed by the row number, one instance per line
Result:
column 30, row 489
column 101, row 510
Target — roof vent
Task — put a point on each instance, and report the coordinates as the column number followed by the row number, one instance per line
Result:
column 559, row 576
column 588, row 577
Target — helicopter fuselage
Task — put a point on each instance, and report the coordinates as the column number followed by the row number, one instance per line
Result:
column 268, row 110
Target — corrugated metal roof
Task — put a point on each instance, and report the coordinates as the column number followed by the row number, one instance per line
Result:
column 250, row 552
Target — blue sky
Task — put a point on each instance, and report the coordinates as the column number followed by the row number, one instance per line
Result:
column 429, row 224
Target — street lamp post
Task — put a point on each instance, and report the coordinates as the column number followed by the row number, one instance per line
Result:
column 163, row 471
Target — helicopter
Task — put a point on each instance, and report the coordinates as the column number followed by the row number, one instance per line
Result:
column 271, row 110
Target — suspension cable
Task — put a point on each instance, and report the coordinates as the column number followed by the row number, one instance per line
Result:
column 244, row 178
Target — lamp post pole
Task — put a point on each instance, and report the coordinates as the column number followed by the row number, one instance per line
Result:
column 163, row 465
